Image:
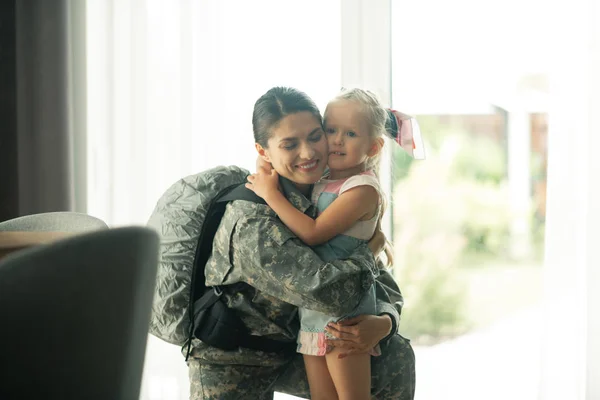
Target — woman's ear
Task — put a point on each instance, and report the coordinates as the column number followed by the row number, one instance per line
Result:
column 262, row 153
column 376, row 147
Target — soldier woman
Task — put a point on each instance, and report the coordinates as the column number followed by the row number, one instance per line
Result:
column 268, row 273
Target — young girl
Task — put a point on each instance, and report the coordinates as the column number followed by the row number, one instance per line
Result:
column 349, row 201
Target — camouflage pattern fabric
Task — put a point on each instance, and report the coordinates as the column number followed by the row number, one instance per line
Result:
column 393, row 377
column 269, row 272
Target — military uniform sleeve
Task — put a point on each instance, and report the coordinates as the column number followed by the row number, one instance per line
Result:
column 268, row 256
column 389, row 299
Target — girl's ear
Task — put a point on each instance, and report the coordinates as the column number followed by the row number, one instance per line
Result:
column 262, row 153
column 376, row 147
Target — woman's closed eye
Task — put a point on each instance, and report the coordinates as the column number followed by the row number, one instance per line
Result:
column 289, row 144
column 315, row 138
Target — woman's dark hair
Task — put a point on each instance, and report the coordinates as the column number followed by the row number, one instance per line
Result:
column 274, row 105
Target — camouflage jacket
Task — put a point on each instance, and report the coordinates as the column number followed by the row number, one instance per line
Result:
column 269, row 272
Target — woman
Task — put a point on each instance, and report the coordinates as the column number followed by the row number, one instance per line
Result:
column 269, row 273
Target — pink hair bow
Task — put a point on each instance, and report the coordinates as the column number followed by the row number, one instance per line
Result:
column 405, row 130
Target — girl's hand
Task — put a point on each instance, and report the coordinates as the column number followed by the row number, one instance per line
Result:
column 264, row 183
column 359, row 334
column 262, row 164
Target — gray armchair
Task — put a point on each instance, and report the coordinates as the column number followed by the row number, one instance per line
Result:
column 74, row 316
column 63, row 221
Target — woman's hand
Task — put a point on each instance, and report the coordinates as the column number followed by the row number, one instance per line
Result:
column 264, row 183
column 359, row 334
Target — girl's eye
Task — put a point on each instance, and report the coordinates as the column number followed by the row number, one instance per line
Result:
column 351, row 134
column 329, row 131
column 315, row 138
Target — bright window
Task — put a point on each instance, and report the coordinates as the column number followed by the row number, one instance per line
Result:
column 469, row 220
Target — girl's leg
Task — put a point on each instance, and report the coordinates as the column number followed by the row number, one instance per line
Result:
column 319, row 380
column 351, row 375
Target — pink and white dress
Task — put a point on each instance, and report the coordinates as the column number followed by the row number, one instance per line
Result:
column 312, row 336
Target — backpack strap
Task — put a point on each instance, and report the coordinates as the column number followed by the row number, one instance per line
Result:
column 241, row 192
column 221, row 327
column 208, row 314
column 267, row 345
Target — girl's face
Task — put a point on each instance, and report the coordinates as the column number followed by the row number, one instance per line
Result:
column 349, row 139
column 297, row 149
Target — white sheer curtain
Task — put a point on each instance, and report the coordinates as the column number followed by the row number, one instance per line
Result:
column 171, row 86
column 571, row 344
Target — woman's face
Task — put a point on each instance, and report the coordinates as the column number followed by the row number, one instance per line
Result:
column 297, row 149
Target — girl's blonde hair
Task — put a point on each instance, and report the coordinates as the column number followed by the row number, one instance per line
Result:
column 377, row 117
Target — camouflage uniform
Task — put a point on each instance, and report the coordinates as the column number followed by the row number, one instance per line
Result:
column 269, row 272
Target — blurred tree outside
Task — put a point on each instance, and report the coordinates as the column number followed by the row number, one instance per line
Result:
column 451, row 229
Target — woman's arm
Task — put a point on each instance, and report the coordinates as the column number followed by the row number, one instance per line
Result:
column 345, row 211
column 389, row 299
column 262, row 252
column 360, row 334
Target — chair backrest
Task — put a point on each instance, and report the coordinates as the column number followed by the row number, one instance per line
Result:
column 74, row 316
column 63, row 221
